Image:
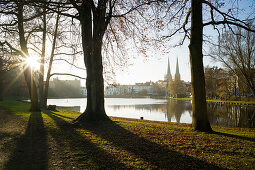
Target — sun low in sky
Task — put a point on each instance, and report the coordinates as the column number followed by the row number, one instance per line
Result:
column 33, row 62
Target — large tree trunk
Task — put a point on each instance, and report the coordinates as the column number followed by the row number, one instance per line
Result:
column 199, row 118
column 1, row 88
column 95, row 109
column 32, row 89
column 42, row 63
column 92, row 45
column 1, row 79
column 27, row 69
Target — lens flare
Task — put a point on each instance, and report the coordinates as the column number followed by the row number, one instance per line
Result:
column 33, row 62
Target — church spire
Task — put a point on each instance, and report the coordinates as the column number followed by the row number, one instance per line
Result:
column 168, row 75
column 177, row 73
column 168, row 68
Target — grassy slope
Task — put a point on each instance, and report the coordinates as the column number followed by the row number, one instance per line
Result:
column 51, row 141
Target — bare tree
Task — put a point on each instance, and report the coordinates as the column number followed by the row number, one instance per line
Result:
column 14, row 11
column 55, row 42
column 236, row 51
column 104, row 24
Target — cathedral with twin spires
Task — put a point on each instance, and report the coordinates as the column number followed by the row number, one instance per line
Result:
column 168, row 76
column 174, row 87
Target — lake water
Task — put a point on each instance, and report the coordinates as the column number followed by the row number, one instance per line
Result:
column 165, row 110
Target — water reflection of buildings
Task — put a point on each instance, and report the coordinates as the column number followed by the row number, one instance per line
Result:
column 173, row 109
column 221, row 115
column 176, row 108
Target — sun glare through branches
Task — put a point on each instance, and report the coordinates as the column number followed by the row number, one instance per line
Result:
column 33, row 62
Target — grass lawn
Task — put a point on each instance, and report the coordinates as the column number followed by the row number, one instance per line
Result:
column 48, row 140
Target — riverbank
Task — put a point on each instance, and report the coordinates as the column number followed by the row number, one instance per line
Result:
column 48, row 140
column 232, row 102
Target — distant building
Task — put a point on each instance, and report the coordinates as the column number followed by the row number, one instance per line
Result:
column 177, row 72
column 158, row 88
column 143, row 87
column 84, row 92
column 177, row 87
column 168, row 76
column 129, row 90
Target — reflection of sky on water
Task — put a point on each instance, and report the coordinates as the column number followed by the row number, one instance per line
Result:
column 135, row 111
column 167, row 110
column 158, row 112
column 69, row 102
column 186, row 117
column 149, row 109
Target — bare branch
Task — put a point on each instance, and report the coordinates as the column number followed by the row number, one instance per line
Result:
column 134, row 8
column 69, row 63
column 11, row 47
column 228, row 22
column 227, row 19
column 66, row 74
column 75, row 5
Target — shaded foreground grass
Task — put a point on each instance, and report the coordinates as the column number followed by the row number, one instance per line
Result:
column 49, row 141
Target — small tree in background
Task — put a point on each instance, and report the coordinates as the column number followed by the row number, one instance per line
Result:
column 177, row 88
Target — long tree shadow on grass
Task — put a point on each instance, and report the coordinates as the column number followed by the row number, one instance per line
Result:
column 31, row 151
column 156, row 155
column 66, row 117
column 159, row 156
column 234, row 136
column 78, row 150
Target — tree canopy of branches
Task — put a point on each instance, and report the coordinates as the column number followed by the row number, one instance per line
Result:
column 42, row 29
column 14, row 16
column 236, row 52
column 104, row 25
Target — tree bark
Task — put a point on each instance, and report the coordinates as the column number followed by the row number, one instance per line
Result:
column 34, row 107
column 199, row 118
column 42, row 63
column 28, row 73
column 1, row 79
column 92, row 37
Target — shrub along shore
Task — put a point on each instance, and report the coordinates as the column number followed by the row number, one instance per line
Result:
column 49, row 140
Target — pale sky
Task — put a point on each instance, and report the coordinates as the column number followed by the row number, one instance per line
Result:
column 154, row 67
